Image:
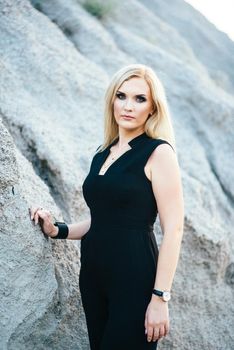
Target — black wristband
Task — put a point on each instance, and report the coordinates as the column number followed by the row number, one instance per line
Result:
column 158, row 292
column 63, row 230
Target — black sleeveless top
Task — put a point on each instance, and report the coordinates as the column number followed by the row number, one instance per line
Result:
column 123, row 196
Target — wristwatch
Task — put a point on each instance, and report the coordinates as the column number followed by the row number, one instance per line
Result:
column 164, row 294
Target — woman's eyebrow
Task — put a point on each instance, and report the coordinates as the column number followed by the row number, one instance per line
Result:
column 136, row 95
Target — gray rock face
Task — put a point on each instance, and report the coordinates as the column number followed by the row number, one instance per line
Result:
column 212, row 47
column 54, row 71
column 39, row 290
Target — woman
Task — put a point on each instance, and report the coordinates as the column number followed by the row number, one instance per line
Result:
column 125, row 281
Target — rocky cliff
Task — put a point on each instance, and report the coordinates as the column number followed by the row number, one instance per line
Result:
column 56, row 60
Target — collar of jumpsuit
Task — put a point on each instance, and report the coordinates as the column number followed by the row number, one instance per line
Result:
column 133, row 142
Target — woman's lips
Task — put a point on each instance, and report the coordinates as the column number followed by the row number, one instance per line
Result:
column 127, row 117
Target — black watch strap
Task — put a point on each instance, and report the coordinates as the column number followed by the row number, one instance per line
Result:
column 165, row 294
column 63, row 230
column 158, row 292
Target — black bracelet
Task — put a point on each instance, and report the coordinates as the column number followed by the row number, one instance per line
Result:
column 63, row 230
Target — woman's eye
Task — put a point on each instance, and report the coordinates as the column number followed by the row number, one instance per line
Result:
column 138, row 98
column 142, row 99
column 119, row 95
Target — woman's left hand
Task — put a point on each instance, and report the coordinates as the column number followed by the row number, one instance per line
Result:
column 156, row 319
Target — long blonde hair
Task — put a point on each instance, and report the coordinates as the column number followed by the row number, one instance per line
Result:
column 158, row 125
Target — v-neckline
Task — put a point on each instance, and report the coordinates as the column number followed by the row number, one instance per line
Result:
column 133, row 142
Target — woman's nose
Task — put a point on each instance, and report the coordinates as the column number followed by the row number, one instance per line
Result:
column 128, row 104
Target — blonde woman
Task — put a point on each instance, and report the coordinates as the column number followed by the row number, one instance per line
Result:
column 125, row 281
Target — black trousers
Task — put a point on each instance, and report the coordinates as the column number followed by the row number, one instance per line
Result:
column 116, row 281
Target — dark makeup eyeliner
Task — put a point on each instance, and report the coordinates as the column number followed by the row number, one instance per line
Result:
column 118, row 93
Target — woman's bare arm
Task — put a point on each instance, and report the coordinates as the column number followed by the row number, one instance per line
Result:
column 78, row 230
column 167, row 188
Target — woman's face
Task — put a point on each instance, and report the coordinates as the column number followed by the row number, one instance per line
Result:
column 133, row 99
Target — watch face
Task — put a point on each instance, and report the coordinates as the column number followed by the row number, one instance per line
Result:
column 166, row 296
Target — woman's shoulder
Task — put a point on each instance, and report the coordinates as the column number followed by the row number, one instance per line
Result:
column 155, row 142
column 99, row 150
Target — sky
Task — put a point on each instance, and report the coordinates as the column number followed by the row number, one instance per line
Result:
column 219, row 12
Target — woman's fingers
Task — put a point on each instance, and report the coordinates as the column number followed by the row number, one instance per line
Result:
column 45, row 219
column 44, row 215
column 156, row 324
column 155, row 333
column 39, row 212
column 33, row 211
column 161, row 331
column 37, row 215
column 166, row 328
column 150, row 332
column 158, row 332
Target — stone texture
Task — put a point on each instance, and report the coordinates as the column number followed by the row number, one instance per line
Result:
column 54, row 71
column 211, row 47
column 39, row 290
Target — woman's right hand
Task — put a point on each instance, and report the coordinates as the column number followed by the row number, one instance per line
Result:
column 45, row 219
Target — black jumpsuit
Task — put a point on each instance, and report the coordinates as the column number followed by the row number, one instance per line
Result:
column 119, row 252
